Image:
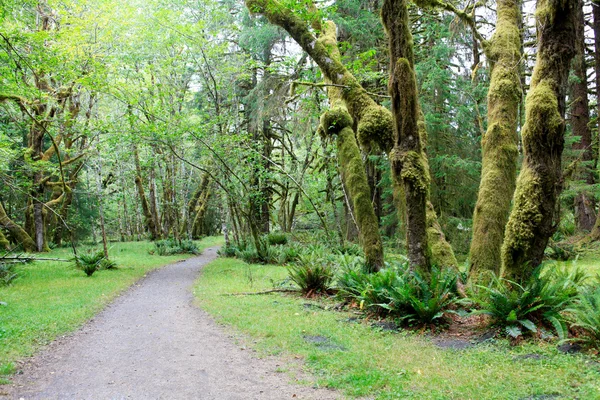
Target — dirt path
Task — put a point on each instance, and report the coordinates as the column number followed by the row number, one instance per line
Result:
column 153, row 343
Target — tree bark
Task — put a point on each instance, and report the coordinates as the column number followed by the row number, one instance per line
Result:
column 585, row 216
column 534, row 215
column 595, row 234
column 499, row 145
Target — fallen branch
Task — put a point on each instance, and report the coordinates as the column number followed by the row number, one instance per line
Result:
column 263, row 292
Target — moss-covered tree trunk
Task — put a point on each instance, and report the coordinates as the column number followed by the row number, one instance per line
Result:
column 534, row 215
column 499, row 144
column 4, row 243
column 409, row 165
column 338, row 122
column 17, row 233
column 200, row 208
column 585, row 216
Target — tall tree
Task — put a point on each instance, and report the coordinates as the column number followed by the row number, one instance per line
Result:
column 533, row 217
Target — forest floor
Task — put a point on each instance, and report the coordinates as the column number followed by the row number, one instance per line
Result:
column 350, row 351
column 153, row 342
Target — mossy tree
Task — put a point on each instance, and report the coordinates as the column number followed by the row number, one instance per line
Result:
column 499, row 143
column 409, row 165
column 372, row 122
column 338, row 122
column 534, row 215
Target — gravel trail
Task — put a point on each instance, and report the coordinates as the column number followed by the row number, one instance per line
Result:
column 153, row 343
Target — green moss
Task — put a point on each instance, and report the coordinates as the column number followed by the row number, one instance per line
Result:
column 375, row 129
column 335, row 119
column 4, row 243
column 355, row 180
column 499, row 144
column 525, row 217
column 414, row 170
column 442, row 254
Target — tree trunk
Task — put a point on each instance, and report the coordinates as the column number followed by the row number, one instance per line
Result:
column 595, row 234
column 17, row 233
column 534, row 215
column 499, row 145
column 337, row 121
column 580, row 119
column 148, row 217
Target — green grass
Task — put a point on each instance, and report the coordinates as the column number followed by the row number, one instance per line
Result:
column 380, row 364
column 53, row 298
column 588, row 262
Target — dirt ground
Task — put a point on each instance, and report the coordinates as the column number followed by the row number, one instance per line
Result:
column 153, row 343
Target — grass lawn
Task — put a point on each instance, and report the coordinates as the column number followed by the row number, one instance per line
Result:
column 53, row 298
column 362, row 361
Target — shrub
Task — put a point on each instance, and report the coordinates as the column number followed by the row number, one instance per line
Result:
column 230, row 250
column 89, row 263
column 312, row 274
column 349, row 249
column 288, row 254
column 560, row 251
column 169, row 247
column 584, row 315
column 7, row 274
column 533, row 305
column 277, row 238
column 430, row 297
column 399, row 292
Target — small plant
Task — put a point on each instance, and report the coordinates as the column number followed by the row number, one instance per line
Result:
column 431, row 296
column 230, row 250
column 584, row 315
column 349, row 249
column 7, row 274
column 560, row 251
column 89, row 263
column 312, row 274
column 277, row 238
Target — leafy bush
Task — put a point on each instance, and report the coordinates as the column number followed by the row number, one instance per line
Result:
column 288, row 254
column 399, row 292
column 169, row 247
column 584, row 315
column 230, row 250
column 7, row 274
column 432, row 296
column 312, row 274
column 277, row 238
column 349, row 248
column 533, row 305
column 89, row 263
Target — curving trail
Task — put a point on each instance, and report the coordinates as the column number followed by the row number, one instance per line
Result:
column 153, row 343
